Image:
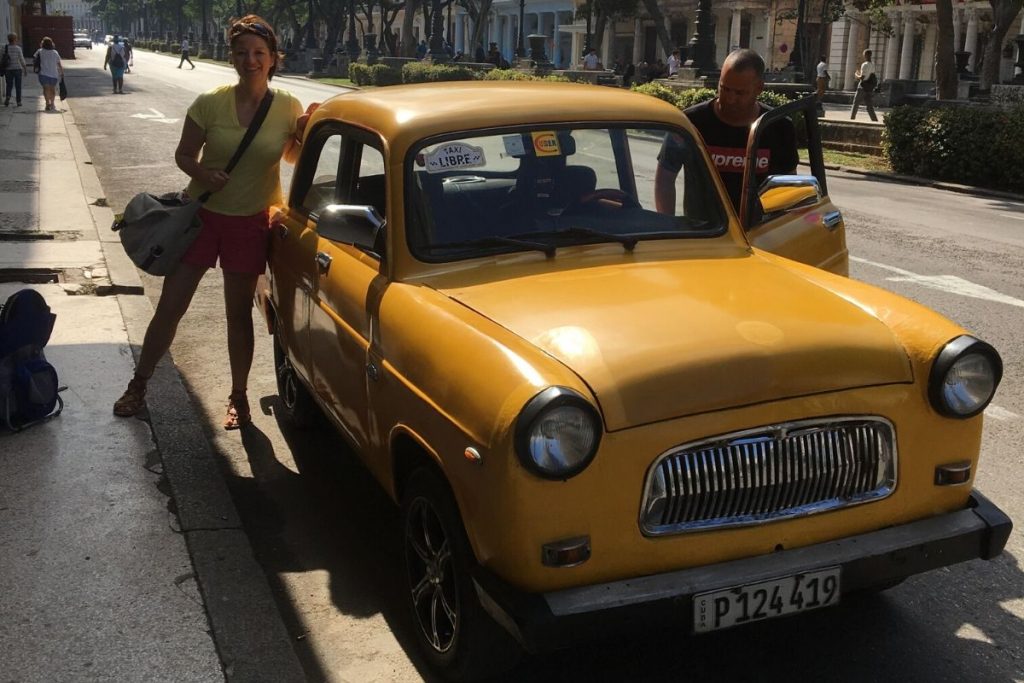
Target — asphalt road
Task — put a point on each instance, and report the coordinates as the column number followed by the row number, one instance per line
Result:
column 327, row 537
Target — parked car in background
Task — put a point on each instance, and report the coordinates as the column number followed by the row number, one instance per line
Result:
column 83, row 40
column 595, row 415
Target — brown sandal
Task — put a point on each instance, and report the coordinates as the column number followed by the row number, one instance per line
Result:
column 238, row 410
column 133, row 400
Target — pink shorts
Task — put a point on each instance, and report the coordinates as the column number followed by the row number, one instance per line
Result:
column 239, row 241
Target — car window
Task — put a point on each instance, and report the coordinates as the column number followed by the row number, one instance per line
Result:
column 369, row 187
column 533, row 188
column 323, row 189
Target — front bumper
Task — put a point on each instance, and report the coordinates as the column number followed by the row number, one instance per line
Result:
column 562, row 618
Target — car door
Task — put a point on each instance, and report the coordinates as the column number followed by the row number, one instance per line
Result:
column 793, row 216
column 339, row 322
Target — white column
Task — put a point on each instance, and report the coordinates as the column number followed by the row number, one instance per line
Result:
column 853, row 55
column 926, row 69
column 971, row 41
column 460, row 33
column 721, row 39
column 577, row 47
column 907, row 55
column 638, row 37
column 737, row 25
column 837, row 54
column 892, row 49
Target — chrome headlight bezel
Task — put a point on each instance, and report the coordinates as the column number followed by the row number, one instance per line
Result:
column 534, row 412
column 953, row 353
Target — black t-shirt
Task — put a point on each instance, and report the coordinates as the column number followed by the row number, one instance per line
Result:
column 727, row 146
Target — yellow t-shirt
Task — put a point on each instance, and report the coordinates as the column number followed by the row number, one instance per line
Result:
column 255, row 182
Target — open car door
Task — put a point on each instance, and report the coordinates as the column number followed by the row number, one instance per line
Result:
column 792, row 215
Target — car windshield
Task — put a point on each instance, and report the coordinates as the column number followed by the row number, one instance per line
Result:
column 544, row 188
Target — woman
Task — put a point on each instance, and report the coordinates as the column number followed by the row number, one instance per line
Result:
column 235, row 219
column 867, row 81
column 117, row 59
column 50, row 71
column 15, row 68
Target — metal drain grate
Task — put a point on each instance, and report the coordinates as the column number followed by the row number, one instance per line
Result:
column 31, row 276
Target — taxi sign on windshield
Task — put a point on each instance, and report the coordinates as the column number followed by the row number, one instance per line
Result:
column 453, row 156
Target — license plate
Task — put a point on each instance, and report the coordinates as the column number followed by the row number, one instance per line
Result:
column 756, row 601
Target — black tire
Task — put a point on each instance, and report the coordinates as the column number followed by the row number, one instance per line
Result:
column 453, row 631
column 297, row 406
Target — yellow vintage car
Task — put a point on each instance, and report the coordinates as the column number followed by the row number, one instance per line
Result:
column 595, row 414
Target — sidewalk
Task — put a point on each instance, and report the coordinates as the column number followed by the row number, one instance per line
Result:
column 121, row 554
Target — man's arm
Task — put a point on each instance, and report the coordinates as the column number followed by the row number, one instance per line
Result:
column 665, row 190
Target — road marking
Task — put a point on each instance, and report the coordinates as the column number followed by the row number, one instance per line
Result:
column 155, row 116
column 129, row 168
column 1013, row 215
column 945, row 283
column 1001, row 414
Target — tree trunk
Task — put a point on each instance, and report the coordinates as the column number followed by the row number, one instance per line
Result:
column 479, row 24
column 659, row 26
column 408, row 42
column 598, row 37
column 945, row 67
column 1003, row 14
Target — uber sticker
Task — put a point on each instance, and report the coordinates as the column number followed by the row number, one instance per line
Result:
column 545, row 143
column 454, row 155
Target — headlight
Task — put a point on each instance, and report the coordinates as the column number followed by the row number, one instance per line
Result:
column 964, row 377
column 557, row 433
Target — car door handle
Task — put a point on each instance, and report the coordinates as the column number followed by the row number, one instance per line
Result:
column 832, row 219
column 323, row 261
column 281, row 230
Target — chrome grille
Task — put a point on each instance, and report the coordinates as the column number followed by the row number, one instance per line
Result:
column 769, row 473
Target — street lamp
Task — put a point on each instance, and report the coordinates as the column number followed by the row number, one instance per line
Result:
column 520, row 48
column 436, row 52
column 352, row 44
column 701, row 50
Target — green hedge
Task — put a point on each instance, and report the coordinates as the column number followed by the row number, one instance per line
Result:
column 983, row 147
column 684, row 99
column 422, row 72
column 373, row 74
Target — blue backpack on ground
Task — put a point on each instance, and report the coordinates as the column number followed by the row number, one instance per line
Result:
column 29, row 391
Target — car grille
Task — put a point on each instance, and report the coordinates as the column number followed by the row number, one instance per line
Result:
column 769, row 473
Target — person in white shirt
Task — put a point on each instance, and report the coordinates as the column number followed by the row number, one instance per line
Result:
column 184, row 54
column 867, row 81
column 823, row 77
column 673, row 63
column 590, row 62
column 50, row 71
column 14, row 70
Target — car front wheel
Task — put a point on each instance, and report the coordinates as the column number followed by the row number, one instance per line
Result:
column 297, row 405
column 455, row 633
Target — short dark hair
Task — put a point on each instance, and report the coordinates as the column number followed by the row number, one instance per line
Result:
column 744, row 59
column 47, row 43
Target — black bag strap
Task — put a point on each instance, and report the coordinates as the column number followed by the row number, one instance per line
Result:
column 254, row 127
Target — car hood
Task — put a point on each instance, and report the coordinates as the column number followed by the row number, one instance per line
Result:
column 662, row 340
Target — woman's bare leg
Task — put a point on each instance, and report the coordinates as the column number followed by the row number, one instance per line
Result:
column 179, row 287
column 238, row 292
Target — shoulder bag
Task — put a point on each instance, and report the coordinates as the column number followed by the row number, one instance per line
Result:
column 157, row 230
column 5, row 61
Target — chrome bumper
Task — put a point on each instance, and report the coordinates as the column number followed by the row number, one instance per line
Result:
column 562, row 618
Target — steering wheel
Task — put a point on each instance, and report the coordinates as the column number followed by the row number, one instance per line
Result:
column 607, row 198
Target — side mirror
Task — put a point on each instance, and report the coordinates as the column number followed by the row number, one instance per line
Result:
column 359, row 226
column 782, row 193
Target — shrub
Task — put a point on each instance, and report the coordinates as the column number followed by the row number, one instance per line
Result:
column 515, row 75
column 420, row 72
column 968, row 145
column 661, row 92
column 373, row 74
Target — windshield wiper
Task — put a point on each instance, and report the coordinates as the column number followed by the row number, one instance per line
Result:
column 494, row 241
column 627, row 242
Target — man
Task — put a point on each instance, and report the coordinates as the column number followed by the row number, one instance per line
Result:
column 822, row 77
column 673, row 63
column 724, row 123
column 184, row 53
column 591, row 62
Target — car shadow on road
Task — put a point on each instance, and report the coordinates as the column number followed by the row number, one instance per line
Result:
column 956, row 624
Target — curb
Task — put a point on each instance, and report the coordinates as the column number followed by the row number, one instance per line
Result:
column 925, row 182
column 246, row 628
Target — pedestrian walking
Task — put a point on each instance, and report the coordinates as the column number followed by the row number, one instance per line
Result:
column 50, row 71
column 867, row 81
column 13, row 65
column 129, row 60
column 674, row 63
column 235, row 220
column 116, row 60
column 184, row 53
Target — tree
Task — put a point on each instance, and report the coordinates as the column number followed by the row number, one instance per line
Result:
column 1003, row 14
column 945, row 67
